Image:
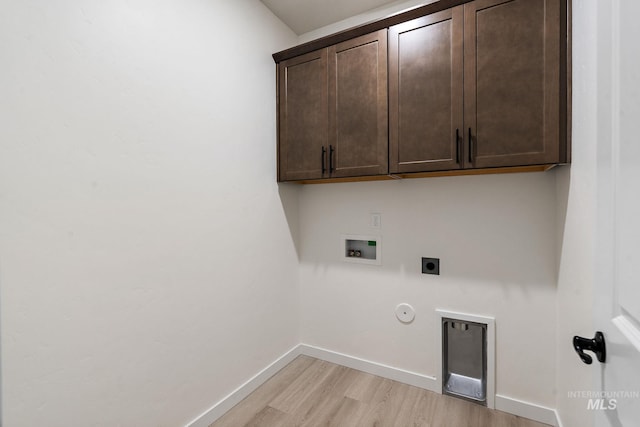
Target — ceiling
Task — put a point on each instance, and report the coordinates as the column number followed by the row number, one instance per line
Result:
column 303, row 16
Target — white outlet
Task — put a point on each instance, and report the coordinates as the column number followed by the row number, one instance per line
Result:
column 375, row 219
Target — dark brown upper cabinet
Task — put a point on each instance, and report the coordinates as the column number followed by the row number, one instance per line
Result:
column 425, row 93
column 452, row 87
column 512, row 81
column 303, row 116
column 333, row 111
column 358, row 106
column 508, row 112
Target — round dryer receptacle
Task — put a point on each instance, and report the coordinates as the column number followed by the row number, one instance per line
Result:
column 405, row 313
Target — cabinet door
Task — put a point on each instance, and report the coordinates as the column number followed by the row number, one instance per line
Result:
column 303, row 116
column 425, row 93
column 511, row 77
column 358, row 135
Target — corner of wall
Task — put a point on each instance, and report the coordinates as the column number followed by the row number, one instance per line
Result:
column 576, row 207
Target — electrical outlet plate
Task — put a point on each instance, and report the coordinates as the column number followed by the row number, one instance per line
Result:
column 431, row 266
column 375, row 220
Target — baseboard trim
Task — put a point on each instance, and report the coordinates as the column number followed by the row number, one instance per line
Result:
column 232, row 399
column 407, row 377
column 503, row 403
column 528, row 410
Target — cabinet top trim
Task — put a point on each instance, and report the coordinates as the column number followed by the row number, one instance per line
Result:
column 366, row 29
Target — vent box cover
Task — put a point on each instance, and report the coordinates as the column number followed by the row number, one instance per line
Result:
column 464, row 357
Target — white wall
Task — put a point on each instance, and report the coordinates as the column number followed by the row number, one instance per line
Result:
column 146, row 264
column 577, row 216
column 495, row 237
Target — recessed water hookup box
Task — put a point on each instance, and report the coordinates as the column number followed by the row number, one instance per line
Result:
column 361, row 249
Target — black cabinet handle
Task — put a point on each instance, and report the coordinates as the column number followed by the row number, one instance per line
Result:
column 324, row 155
column 596, row 344
column 470, row 147
column 457, row 146
column 331, row 151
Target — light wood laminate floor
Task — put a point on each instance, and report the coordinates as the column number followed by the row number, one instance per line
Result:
column 312, row 392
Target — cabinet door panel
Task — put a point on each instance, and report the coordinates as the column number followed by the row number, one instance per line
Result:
column 358, row 106
column 303, row 109
column 425, row 92
column 512, row 82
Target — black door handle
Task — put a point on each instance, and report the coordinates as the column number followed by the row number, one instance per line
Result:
column 331, row 151
column 470, row 147
column 324, row 155
column 457, row 146
column 596, row 344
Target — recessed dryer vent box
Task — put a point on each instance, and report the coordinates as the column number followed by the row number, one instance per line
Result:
column 360, row 249
column 464, row 356
column 468, row 356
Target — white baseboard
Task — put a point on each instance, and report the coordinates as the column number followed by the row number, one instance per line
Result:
column 502, row 403
column 527, row 410
column 407, row 377
column 233, row 398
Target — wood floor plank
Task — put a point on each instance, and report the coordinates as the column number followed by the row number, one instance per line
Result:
column 323, row 401
column 384, row 406
column 348, row 413
column 452, row 412
column 298, row 392
column 271, row 417
column 244, row 411
column 409, row 413
column 364, row 387
column 313, row 393
column 424, row 408
column 328, row 399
